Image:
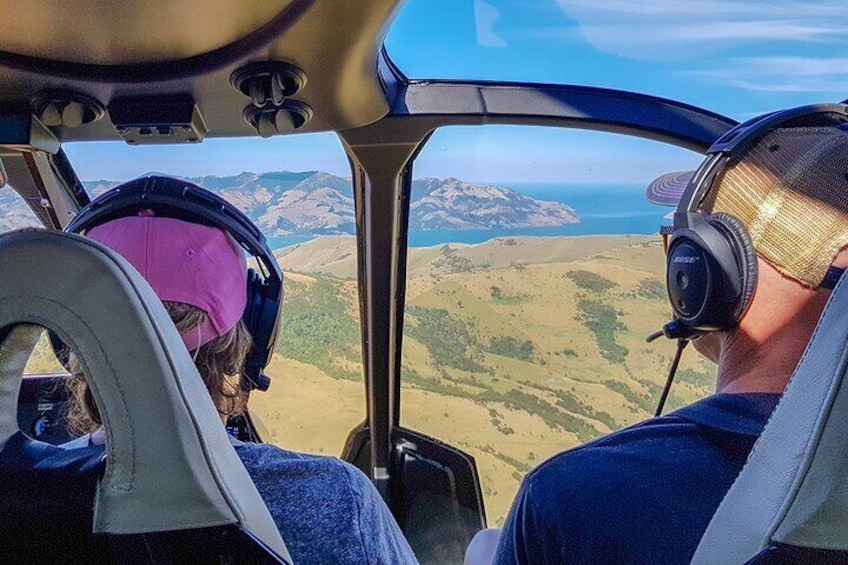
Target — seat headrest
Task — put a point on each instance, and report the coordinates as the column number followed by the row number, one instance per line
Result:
column 794, row 488
column 166, row 447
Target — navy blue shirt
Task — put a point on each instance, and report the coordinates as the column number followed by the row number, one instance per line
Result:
column 643, row 495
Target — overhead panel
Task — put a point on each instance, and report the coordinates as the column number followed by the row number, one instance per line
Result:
column 129, row 31
column 66, row 61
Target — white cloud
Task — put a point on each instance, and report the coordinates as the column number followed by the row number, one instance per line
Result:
column 797, row 66
column 715, row 39
column 486, row 17
column 783, row 74
column 681, row 29
column 709, row 8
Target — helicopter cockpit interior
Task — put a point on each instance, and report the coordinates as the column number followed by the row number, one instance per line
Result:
column 455, row 195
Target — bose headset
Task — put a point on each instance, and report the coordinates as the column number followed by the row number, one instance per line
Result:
column 173, row 198
column 711, row 270
column 711, row 263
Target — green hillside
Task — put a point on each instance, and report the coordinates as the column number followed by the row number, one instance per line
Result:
column 514, row 349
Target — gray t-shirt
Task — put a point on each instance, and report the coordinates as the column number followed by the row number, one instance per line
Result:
column 326, row 510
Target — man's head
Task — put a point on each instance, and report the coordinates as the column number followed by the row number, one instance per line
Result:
column 789, row 189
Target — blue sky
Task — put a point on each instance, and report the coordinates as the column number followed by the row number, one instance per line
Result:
column 739, row 58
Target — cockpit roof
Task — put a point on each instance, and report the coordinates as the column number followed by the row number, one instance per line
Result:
column 170, row 30
column 736, row 58
column 739, row 59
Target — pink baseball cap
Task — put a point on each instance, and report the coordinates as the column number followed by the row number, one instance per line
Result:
column 184, row 262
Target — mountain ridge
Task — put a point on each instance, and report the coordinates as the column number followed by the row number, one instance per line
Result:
column 285, row 203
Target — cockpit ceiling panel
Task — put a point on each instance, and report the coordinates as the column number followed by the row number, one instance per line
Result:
column 128, row 32
column 335, row 43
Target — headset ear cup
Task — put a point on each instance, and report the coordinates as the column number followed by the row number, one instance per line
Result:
column 251, row 310
column 251, row 318
column 743, row 249
column 261, row 317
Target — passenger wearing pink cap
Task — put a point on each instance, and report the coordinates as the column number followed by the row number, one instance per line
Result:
column 184, row 262
column 327, row 510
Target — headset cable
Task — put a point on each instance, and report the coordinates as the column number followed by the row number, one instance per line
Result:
column 681, row 345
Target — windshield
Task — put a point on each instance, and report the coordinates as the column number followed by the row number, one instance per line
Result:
column 737, row 58
column 529, row 297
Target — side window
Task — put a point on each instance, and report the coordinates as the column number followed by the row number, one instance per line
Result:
column 43, row 361
column 299, row 192
column 534, row 274
column 14, row 212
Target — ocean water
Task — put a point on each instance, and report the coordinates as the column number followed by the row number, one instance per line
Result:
column 603, row 209
column 288, row 240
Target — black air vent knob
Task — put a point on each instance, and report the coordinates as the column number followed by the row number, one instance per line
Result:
column 68, row 108
column 270, row 120
column 268, row 82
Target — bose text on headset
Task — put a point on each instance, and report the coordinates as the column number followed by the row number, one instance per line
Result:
column 174, row 198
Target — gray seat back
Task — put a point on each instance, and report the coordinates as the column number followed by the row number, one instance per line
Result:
column 794, row 488
column 169, row 463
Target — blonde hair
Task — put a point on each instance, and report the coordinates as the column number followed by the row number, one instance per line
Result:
column 219, row 363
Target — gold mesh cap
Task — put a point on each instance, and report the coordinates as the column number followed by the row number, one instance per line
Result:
column 791, row 191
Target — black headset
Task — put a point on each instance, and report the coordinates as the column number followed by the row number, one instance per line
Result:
column 174, row 198
column 711, row 272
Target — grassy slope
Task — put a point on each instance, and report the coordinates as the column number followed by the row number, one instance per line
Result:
column 42, row 361
column 584, row 306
